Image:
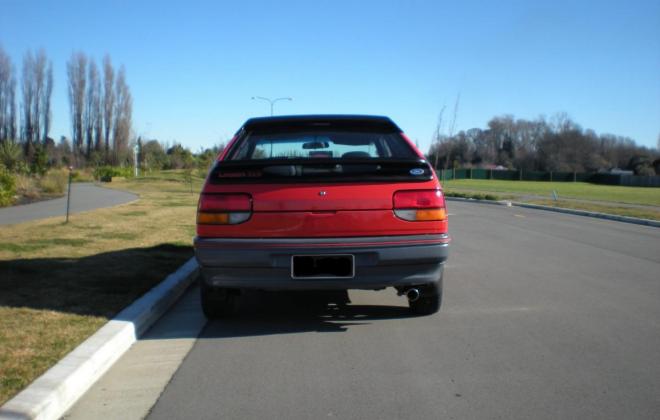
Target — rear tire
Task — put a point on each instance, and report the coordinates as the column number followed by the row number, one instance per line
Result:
column 217, row 302
column 429, row 301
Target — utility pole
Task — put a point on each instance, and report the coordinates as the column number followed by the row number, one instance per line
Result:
column 68, row 196
column 136, row 151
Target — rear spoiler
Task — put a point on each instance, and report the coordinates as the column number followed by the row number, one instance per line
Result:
column 320, row 170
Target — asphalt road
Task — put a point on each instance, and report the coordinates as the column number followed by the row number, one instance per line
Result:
column 84, row 197
column 545, row 316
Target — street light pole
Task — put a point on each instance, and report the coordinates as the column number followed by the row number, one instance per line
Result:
column 272, row 101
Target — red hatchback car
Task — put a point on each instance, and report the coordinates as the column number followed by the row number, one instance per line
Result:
column 321, row 202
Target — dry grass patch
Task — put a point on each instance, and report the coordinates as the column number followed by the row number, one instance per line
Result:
column 54, row 182
column 60, row 282
column 23, row 338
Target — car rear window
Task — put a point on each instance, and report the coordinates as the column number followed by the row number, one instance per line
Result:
column 343, row 145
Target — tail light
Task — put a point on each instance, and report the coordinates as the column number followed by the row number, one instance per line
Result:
column 420, row 205
column 224, row 209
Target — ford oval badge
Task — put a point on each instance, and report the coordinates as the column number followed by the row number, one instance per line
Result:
column 417, row 171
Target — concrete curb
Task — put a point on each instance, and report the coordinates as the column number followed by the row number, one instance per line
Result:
column 54, row 392
column 474, row 200
column 625, row 219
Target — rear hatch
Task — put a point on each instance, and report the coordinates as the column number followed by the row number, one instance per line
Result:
column 318, row 185
column 321, row 179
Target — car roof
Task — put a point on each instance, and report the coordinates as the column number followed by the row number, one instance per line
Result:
column 344, row 122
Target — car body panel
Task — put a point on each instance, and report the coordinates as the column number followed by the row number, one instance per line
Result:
column 380, row 261
column 309, row 224
column 291, row 217
column 319, row 197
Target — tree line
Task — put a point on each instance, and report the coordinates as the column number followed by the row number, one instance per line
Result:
column 558, row 145
column 154, row 156
column 101, row 108
column 100, row 104
column 36, row 88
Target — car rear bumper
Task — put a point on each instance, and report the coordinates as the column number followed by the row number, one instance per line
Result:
column 266, row 263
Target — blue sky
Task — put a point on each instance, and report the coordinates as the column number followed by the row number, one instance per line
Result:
column 193, row 66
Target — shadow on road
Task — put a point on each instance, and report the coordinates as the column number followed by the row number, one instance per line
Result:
column 267, row 313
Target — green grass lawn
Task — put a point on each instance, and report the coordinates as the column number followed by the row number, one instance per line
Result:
column 59, row 283
column 577, row 190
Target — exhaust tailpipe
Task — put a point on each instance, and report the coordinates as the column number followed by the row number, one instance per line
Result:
column 412, row 294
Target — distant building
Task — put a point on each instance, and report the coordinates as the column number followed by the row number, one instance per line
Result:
column 617, row 171
column 493, row 167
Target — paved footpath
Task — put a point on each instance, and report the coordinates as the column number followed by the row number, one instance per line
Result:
column 545, row 316
column 149, row 365
column 84, row 197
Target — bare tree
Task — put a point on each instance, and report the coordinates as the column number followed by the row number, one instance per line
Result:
column 92, row 114
column 37, row 88
column 45, row 102
column 452, row 127
column 5, row 76
column 437, row 136
column 39, row 79
column 7, row 97
column 98, row 114
column 28, row 117
column 76, row 71
column 123, row 113
column 108, row 100
column 12, row 125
